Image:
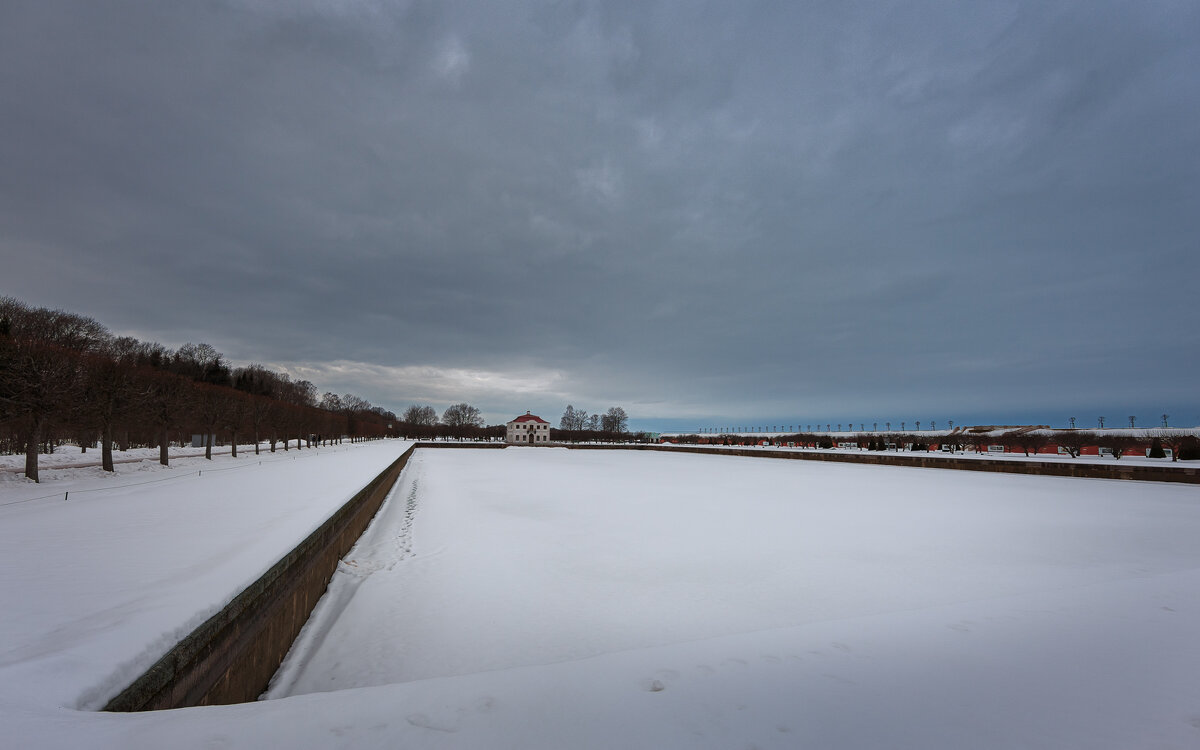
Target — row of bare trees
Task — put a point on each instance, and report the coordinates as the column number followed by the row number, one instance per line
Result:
column 613, row 421
column 464, row 422
column 1029, row 441
column 64, row 376
column 459, row 422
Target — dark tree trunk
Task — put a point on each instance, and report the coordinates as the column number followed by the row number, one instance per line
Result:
column 31, row 450
column 163, row 440
column 106, row 444
column 233, row 443
column 208, row 445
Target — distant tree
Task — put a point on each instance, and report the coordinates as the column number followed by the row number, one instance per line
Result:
column 111, row 395
column 331, row 402
column 236, row 417
column 1026, row 440
column 1115, row 443
column 419, row 416
column 567, row 422
column 1073, row 440
column 166, row 397
column 976, row 440
column 593, row 423
column 256, row 380
column 614, row 420
column 258, row 412
column 208, row 411
column 462, row 415
column 202, row 363
column 1176, row 440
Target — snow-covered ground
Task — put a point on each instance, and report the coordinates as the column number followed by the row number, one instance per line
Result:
column 552, row 598
column 531, row 598
column 97, row 586
column 68, row 463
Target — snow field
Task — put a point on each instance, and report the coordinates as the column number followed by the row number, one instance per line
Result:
column 766, row 603
column 536, row 598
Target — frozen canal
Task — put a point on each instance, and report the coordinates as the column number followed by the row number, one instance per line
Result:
column 545, row 597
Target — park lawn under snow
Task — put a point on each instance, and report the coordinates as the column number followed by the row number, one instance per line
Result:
column 550, row 598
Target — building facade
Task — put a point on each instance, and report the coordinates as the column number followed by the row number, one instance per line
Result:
column 528, row 429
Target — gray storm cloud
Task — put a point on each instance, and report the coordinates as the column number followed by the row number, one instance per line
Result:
column 691, row 210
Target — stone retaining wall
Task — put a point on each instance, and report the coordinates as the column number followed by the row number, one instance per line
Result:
column 1088, row 470
column 233, row 655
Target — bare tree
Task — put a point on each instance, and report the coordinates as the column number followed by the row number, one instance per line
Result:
column 614, row 420
column 1176, row 440
column 462, row 415
column 165, row 399
column 1115, row 443
column 1073, row 440
column 44, row 371
column 202, row 363
column 331, row 402
column 568, row 419
column 111, row 394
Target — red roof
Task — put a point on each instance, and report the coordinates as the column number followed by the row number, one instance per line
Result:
column 527, row 417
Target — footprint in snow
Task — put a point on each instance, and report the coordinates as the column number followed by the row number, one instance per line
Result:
column 423, row 721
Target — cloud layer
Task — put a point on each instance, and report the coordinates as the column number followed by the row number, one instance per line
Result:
column 769, row 210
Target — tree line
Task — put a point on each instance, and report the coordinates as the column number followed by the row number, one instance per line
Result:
column 464, row 422
column 65, row 376
column 577, row 426
column 1030, row 441
column 458, row 422
column 615, row 420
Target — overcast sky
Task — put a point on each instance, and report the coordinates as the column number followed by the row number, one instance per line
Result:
column 711, row 214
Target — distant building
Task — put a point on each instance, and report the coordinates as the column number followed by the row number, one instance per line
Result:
column 528, row 429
